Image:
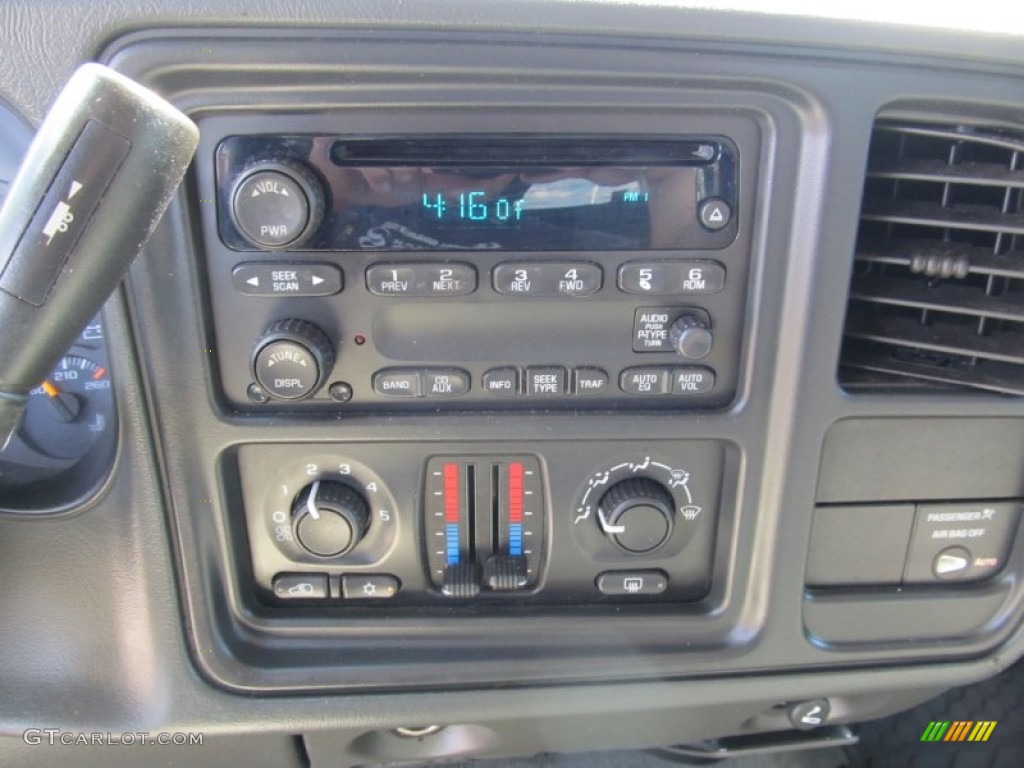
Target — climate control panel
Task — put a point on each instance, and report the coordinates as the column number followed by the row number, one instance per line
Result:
column 461, row 525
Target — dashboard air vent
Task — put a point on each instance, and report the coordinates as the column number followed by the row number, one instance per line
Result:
column 937, row 295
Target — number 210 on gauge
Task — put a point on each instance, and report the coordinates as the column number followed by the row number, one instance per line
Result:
column 474, row 207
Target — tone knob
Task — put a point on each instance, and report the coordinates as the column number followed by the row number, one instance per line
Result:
column 277, row 204
column 691, row 337
column 291, row 359
column 637, row 515
column 329, row 518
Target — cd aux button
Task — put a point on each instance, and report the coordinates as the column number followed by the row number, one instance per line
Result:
column 417, row 280
column 445, row 382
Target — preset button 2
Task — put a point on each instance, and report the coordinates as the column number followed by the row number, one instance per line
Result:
column 428, row 279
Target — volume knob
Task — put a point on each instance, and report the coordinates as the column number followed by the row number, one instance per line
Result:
column 277, row 204
column 291, row 359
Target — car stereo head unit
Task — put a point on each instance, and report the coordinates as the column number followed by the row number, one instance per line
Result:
column 487, row 271
column 472, row 194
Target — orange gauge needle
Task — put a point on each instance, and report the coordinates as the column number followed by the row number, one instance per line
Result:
column 49, row 389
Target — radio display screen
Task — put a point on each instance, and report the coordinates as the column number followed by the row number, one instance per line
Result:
column 516, row 194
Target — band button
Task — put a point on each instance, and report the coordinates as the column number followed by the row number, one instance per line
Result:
column 398, row 383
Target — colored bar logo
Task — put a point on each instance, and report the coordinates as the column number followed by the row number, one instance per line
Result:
column 959, row 730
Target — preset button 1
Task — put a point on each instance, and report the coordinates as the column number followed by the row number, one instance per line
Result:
column 429, row 279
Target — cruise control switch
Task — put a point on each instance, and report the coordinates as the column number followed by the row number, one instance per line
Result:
column 92, row 188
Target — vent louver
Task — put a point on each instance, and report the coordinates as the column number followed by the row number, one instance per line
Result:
column 937, row 295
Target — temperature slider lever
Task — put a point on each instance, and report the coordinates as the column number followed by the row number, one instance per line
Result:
column 99, row 174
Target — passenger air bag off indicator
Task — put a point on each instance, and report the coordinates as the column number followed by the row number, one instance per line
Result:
column 960, row 542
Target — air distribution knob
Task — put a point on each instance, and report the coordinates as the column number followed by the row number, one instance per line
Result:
column 691, row 337
column 329, row 518
column 637, row 514
column 291, row 359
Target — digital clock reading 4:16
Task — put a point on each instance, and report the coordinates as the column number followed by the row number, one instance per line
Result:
column 472, row 206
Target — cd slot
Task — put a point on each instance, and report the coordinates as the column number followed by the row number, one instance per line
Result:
column 517, row 152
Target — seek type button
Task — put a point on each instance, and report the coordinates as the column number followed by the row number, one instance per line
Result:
column 262, row 279
column 545, row 381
